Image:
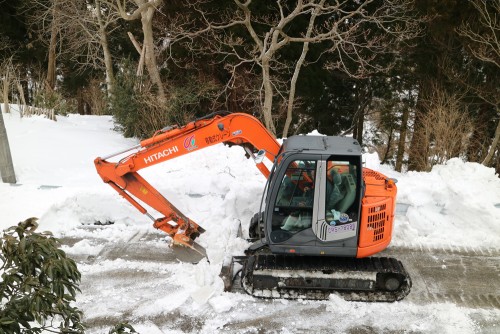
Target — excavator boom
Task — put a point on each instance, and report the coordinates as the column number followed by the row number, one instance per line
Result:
column 172, row 142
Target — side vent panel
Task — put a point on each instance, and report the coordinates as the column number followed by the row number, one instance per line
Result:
column 375, row 224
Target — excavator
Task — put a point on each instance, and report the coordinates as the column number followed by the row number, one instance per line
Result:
column 322, row 215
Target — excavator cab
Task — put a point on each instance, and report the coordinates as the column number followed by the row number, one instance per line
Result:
column 313, row 199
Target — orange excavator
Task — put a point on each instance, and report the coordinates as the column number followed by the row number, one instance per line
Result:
column 322, row 214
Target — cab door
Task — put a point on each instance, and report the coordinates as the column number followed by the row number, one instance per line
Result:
column 292, row 213
column 337, row 223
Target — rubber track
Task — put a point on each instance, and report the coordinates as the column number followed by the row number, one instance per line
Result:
column 272, row 264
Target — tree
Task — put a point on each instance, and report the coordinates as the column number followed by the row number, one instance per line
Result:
column 273, row 32
column 484, row 38
column 446, row 128
column 143, row 10
column 438, row 46
column 6, row 165
column 87, row 36
column 52, row 54
column 47, row 23
column 38, row 283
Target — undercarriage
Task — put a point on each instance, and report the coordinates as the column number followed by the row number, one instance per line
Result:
column 373, row 279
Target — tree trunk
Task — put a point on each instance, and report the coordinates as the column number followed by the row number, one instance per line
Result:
column 359, row 126
column 150, row 58
column 298, row 66
column 402, row 140
column 23, row 105
column 108, row 61
column 6, row 85
column 480, row 140
column 80, row 101
column 268, row 96
column 493, row 146
column 497, row 164
column 364, row 97
column 418, row 152
column 6, row 165
column 51, row 67
column 388, row 148
column 293, row 85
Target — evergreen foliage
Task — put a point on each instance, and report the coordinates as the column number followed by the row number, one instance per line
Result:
column 38, row 283
column 124, row 103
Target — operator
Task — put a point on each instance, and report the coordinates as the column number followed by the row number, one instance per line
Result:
column 302, row 218
column 333, row 192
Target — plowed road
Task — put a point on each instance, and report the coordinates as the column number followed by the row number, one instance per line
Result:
column 130, row 280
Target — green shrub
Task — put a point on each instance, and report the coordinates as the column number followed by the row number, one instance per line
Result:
column 124, row 102
column 38, row 283
column 51, row 103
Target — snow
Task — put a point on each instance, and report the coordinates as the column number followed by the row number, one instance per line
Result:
column 455, row 205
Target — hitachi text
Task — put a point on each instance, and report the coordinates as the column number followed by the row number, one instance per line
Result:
column 162, row 154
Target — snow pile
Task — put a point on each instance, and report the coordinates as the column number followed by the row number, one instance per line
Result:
column 456, row 204
column 459, row 206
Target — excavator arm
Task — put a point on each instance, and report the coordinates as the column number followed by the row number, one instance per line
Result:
column 172, row 142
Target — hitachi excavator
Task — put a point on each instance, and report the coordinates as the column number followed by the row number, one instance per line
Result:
column 322, row 214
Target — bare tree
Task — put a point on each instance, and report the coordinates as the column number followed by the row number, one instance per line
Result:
column 447, row 128
column 87, row 36
column 143, row 10
column 77, row 29
column 485, row 46
column 47, row 24
column 484, row 36
column 340, row 24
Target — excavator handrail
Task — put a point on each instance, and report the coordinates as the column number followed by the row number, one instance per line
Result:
column 231, row 129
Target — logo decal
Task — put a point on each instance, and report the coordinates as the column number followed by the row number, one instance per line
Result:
column 190, row 143
column 344, row 218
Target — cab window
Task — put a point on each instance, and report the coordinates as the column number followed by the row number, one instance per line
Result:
column 294, row 202
column 340, row 196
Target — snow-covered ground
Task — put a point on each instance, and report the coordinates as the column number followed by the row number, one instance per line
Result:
column 454, row 206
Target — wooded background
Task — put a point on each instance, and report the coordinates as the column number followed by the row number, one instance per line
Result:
column 416, row 81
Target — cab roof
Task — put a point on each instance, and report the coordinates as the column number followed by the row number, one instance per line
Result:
column 323, row 145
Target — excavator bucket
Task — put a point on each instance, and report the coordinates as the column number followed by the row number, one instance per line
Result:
column 193, row 254
column 187, row 250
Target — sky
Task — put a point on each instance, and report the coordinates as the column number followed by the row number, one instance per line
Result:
column 128, row 272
